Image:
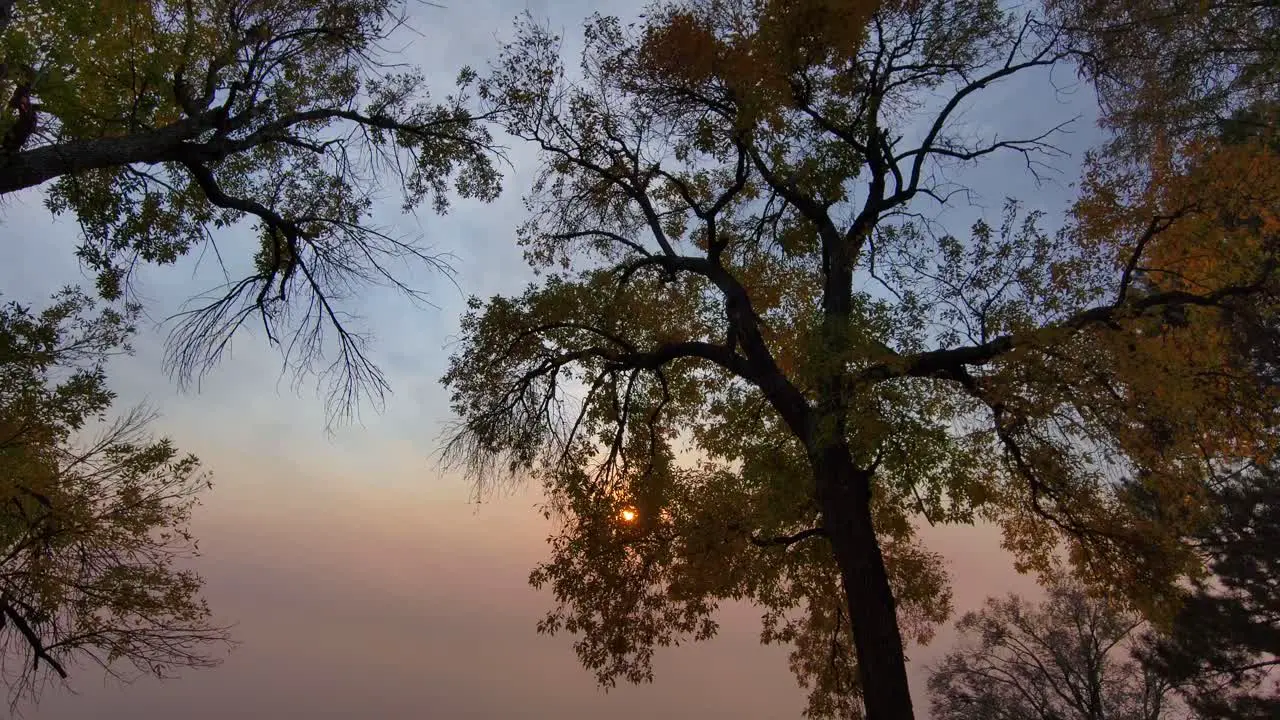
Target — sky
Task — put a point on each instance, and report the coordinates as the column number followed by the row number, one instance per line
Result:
column 361, row 579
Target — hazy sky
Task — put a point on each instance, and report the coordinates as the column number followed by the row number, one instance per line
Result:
column 362, row 581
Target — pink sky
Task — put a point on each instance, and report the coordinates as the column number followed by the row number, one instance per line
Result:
column 403, row 602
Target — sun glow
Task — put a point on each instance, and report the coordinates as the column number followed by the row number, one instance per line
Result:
column 628, row 515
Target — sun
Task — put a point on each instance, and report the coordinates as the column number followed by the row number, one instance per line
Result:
column 628, row 515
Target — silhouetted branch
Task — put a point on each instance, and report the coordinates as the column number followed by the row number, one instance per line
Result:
column 788, row 540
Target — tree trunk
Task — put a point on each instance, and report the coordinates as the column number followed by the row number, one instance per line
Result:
column 844, row 493
column 6, row 14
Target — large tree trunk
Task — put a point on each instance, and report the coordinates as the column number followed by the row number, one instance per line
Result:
column 844, row 493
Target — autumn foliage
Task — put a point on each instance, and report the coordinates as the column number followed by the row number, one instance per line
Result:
column 755, row 47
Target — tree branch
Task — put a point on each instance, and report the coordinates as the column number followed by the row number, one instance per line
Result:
column 927, row 146
column 787, row 540
column 39, row 165
column 37, row 645
column 948, row 363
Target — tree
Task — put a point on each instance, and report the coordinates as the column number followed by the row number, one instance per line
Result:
column 1063, row 660
column 753, row 360
column 1080, row 656
column 1221, row 645
column 91, row 529
column 156, row 124
column 1224, row 644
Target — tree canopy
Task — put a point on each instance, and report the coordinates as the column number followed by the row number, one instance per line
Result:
column 157, row 124
column 753, row 362
column 93, row 528
column 1171, row 67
